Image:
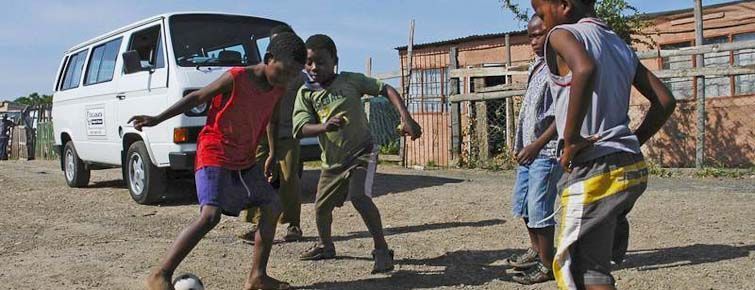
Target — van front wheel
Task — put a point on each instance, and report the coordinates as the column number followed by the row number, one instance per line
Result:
column 75, row 171
column 146, row 182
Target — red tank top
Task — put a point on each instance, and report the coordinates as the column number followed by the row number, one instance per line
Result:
column 235, row 124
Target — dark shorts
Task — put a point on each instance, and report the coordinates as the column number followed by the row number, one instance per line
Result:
column 352, row 180
column 233, row 190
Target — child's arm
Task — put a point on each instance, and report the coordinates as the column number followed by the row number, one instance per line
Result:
column 573, row 54
column 662, row 103
column 272, row 139
column 408, row 125
column 312, row 130
column 222, row 85
column 530, row 152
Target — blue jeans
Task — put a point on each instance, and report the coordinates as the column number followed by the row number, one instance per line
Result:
column 535, row 192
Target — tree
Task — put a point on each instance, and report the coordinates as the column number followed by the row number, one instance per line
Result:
column 623, row 18
column 34, row 99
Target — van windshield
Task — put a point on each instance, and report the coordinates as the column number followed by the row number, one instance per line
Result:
column 219, row 40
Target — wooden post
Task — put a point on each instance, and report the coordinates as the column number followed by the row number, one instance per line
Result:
column 699, row 40
column 453, row 63
column 407, row 89
column 509, row 101
column 481, row 123
column 368, row 73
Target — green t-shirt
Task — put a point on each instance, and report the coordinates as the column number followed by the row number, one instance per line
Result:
column 343, row 97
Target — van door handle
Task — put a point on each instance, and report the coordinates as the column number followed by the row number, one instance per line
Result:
column 120, row 97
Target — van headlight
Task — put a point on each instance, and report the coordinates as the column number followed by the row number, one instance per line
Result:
column 198, row 111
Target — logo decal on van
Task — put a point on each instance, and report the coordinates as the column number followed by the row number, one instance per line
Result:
column 96, row 121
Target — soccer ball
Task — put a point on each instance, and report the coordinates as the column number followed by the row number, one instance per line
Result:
column 188, row 281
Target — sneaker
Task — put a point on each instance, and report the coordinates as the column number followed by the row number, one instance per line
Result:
column 248, row 237
column 524, row 261
column 383, row 261
column 537, row 274
column 318, row 252
column 293, row 233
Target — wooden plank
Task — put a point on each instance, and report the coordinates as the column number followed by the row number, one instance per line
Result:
column 710, row 48
column 484, row 72
column 409, row 68
column 504, row 87
column 705, row 72
column 453, row 63
column 389, row 158
column 387, row 75
column 509, row 124
column 474, row 97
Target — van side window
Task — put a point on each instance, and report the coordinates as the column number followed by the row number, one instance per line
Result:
column 61, row 70
column 75, row 66
column 102, row 62
column 148, row 43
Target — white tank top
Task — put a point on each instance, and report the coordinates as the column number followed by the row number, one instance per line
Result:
column 616, row 65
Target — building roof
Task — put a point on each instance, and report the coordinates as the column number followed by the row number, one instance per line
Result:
column 502, row 34
column 463, row 39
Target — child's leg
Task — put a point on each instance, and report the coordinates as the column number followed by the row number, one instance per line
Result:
column 324, row 221
column 366, row 208
column 258, row 278
column 289, row 183
column 544, row 174
column 185, row 242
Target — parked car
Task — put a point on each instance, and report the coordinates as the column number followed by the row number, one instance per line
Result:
column 143, row 68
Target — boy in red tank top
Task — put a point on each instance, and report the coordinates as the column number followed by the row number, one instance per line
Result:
column 227, row 178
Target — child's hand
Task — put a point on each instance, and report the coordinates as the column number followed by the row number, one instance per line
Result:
column 143, row 121
column 334, row 123
column 527, row 154
column 411, row 128
column 269, row 167
column 572, row 149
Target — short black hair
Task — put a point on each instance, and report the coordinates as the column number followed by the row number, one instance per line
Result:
column 322, row 41
column 281, row 29
column 287, row 46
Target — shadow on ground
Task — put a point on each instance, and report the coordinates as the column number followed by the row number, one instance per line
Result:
column 453, row 269
column 385, row 184
column 473, row 268
column 654, row 259
column 182, row 191
column 421, row 228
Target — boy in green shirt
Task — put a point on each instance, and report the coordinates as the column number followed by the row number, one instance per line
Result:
column 329, row 106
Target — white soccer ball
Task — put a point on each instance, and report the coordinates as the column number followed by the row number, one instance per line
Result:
column 188, row 281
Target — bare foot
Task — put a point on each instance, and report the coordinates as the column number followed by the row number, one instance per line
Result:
column 158, row 280
column 265, row 283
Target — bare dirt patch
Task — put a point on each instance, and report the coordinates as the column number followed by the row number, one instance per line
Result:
column 450, row 229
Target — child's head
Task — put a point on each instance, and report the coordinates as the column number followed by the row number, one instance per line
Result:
column 322, row 58
column 284, row 59
column 536, row 32
column 280, row 29
column 556, row 12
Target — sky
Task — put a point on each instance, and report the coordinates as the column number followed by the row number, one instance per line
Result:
column 35, row 33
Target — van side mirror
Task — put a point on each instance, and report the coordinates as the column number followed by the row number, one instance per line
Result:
column 132, row 63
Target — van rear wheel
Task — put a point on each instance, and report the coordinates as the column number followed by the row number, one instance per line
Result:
column 74, row 169
column 146, row 182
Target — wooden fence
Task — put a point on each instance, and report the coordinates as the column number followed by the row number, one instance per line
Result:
column 33, row 137
column 721, row 112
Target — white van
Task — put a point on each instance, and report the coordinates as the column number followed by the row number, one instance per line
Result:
column 142, row 69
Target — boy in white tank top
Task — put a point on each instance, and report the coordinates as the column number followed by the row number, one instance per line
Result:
column 592, row 72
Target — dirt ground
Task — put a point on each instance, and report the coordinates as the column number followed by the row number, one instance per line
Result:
column 449, row 229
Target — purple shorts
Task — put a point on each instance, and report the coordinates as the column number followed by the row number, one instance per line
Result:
column 233, row 190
